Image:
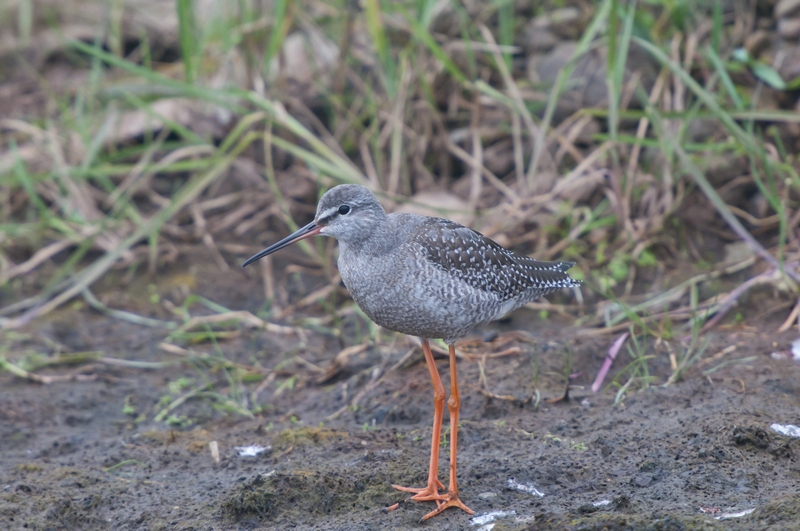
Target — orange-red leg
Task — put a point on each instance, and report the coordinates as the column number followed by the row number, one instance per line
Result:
column 431, row 490
column 453, row 405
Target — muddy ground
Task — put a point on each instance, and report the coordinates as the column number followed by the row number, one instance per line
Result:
column 88, row 454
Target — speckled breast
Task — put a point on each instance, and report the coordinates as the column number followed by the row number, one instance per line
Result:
column 414, row 297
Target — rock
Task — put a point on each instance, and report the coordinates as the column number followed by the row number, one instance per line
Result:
column 701, row 129
column 789, row 28
column 790, row 62
column 565, row 22
column 787, row 8
column 542, row 33
column 538, row 39
column 588, row 87
column 305, row 55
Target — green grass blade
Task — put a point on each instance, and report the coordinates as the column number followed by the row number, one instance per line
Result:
column 372, row 11
column 187, row 31
column 280, row 26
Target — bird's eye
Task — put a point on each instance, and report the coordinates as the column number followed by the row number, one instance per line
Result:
column 344, row 210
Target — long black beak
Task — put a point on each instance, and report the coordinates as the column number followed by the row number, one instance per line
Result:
column 312, row 229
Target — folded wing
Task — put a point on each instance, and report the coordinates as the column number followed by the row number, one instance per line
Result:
column 485, row 265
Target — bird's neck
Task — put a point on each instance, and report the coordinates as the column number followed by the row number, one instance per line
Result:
column 378, row 240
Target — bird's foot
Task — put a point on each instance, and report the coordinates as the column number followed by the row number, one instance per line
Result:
column 443, row 501
column 429, row 493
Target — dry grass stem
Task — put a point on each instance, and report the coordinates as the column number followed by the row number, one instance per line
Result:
column 242, row 317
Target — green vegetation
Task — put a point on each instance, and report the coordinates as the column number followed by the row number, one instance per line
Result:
column 151, row 142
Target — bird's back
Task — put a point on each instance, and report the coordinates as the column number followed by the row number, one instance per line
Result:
column 470, row 257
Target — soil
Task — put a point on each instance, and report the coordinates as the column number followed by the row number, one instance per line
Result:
column 88, row 454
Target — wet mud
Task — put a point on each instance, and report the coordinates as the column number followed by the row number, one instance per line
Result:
column 87, row 453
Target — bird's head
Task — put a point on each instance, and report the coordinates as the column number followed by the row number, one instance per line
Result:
column 348, row 212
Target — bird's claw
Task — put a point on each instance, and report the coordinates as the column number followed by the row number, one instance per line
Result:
column 430, row 493
column 427, row 493
column 443, row 502
column 422, row 494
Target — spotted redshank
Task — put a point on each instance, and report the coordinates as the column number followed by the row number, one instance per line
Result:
column 427, row 277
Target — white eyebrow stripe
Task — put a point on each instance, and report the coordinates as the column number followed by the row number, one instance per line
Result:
column 329, row 213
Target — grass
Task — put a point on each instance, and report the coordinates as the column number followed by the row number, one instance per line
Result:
column 166, row 138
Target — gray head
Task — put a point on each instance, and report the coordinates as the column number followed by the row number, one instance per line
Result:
column 348, row 212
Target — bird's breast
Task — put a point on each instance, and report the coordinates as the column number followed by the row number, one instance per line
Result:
column 404, row 294
column 370, row 282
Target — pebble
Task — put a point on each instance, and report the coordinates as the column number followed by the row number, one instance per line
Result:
column 789, row 28
column 787, row 8
column 787, row 13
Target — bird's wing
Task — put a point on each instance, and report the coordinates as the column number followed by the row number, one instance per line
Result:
column 484, row 264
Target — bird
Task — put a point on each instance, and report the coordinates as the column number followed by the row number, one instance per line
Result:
column 427, row 277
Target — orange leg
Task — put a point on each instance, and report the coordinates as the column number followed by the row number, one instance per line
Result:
column 431, row 491
column 453, row 405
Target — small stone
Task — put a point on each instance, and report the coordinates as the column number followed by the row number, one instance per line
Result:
column 786, row 8
column 701, row 129
column 565, row 22
column 790, row 67
column 540, row 40
column 487, row 495
column 789, row 28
